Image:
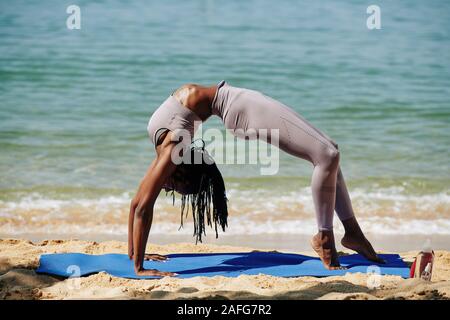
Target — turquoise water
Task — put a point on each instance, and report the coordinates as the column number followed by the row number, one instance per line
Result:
column 75, row 103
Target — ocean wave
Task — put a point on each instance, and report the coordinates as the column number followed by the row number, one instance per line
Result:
column 237, row 226
column 381, row 211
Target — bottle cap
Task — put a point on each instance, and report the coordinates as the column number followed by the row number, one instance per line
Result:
column 427, row 246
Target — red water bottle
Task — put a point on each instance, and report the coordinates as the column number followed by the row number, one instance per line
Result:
column 422, row 266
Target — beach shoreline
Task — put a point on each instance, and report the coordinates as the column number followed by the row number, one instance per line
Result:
column 275, row 241
column 18, row 280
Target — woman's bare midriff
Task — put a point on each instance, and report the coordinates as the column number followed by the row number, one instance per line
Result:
column 196, row 98
column 186, row 94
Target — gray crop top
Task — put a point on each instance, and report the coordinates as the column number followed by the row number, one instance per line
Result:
column 171, row 115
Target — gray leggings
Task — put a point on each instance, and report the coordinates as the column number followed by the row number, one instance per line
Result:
column 243, row 109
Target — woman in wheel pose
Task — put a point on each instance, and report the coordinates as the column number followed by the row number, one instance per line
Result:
column 242, row 110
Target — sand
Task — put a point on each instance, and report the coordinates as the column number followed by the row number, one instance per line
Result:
column 18, row 280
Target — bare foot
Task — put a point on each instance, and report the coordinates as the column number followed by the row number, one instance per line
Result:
column 154, row 272
column 155, row 257
column 358, row 242
column 323, row 244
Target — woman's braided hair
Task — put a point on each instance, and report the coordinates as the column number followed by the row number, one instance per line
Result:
column 201, row 186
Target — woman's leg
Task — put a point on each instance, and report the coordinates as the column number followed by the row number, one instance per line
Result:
column 354, row 238
column 329, row 190
column 323, row 187
column 299, row 138
column 343, row 207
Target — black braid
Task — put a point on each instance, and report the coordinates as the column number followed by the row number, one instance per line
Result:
column 202, row 187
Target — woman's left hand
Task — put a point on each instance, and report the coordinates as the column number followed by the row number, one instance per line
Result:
column 155, row 257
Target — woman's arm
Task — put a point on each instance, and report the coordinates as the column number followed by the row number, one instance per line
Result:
column 133, row 206
column 161, row 169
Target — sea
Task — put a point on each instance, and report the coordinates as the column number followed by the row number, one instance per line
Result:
column 75, row 103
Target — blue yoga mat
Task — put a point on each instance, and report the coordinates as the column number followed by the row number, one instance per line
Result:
column 217, row 264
